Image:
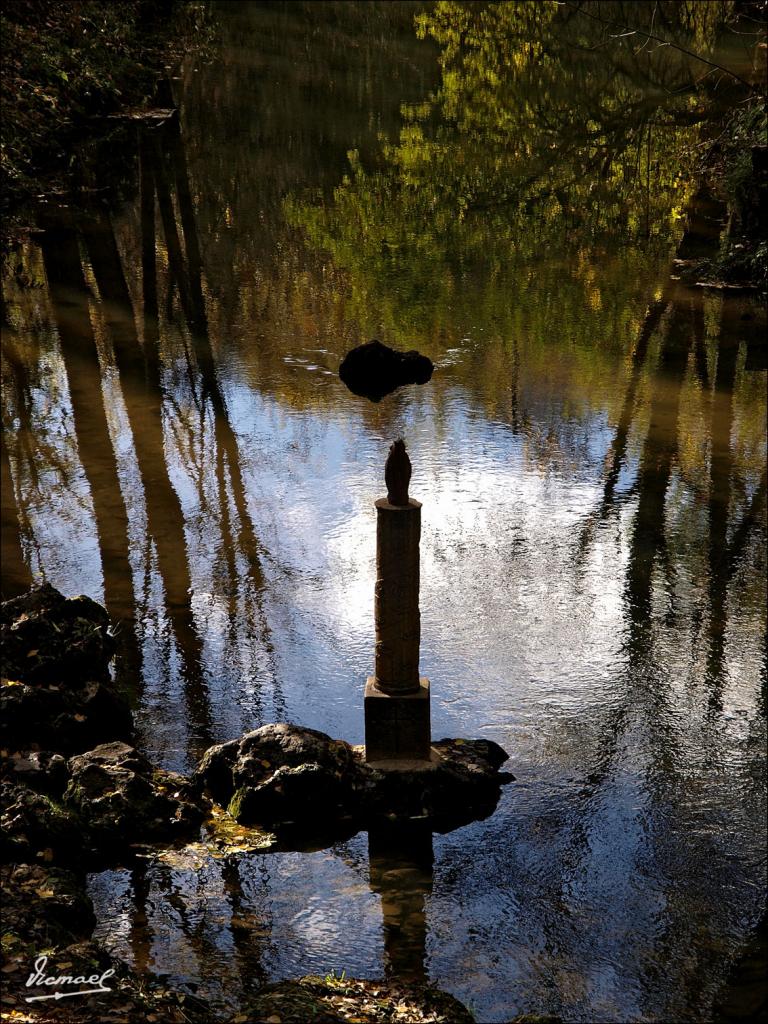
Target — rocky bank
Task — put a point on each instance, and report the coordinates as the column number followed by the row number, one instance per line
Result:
column 76, row 795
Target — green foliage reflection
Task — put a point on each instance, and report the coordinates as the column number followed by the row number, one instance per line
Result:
column 551, row 128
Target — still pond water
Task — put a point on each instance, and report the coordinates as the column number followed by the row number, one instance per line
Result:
column 590, row 456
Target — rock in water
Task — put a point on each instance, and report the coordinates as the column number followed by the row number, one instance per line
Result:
column 286, row 773
column 280, row 772
column 374, row 370
column 56, row 692
column 121, row 798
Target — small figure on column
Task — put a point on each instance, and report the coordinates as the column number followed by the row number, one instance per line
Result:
column 397, row 721
column 397, row 473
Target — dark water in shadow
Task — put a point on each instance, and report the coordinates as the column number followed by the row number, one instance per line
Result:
column 590, row 455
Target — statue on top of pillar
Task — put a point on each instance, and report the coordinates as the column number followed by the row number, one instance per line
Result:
column 397, row 473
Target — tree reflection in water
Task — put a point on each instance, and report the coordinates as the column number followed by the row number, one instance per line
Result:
column 72, row 245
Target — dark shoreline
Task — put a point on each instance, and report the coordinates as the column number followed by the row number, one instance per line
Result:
column 70, row 73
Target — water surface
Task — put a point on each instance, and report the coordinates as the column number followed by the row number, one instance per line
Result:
column 590, row 455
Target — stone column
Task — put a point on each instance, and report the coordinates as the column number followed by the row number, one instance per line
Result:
column 401, row 869
column 397, row 725
column 398, row 621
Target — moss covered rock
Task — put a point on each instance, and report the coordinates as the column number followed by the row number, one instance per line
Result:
column 283, row 773
column 36, row 825
column 56, row 690
column 333, row 1000
column 121, row 798
column 288, row 775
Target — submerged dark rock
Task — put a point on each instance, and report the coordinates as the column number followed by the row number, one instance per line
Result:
column 374, row 370
column 285, row 774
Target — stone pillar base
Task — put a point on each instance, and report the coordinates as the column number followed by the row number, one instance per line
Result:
column 397, row 726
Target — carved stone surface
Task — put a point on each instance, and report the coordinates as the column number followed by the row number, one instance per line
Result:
column 397, row 473
column 398, row 623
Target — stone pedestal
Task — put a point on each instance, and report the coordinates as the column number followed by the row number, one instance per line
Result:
column 397, row 725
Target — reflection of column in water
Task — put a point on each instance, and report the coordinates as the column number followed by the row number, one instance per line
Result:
column 401, row 860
